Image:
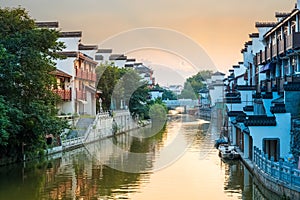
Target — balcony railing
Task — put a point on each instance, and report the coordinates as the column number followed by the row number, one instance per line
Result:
column 268, row 52
column 85, row 75
column 263, row 57
column 281, row 46
column 65, row 95
column 258, row 58
column 274, row 50
column 80, row 95
column 293, row 41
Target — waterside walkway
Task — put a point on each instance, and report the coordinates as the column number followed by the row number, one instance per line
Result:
column 279, row 177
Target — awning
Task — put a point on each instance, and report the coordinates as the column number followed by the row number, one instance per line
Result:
column 267, row 67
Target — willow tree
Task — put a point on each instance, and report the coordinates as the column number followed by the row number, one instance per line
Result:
column 28, row 104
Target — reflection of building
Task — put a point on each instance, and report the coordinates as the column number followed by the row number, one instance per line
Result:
column 85, row 173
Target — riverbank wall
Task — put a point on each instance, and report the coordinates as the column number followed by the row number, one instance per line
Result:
column 275, row 185
column 105, row 125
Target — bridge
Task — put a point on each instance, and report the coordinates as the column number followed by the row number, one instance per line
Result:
column 186, row 103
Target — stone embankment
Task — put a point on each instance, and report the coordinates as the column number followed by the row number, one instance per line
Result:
column 103, row 126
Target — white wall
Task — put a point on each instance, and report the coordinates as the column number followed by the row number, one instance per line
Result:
column 216, row 94
column 66, row 65
column 71, row 43
column 280, row 131
column 155, row 94
column 246, row 96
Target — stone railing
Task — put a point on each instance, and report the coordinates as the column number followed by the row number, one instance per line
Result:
column 280, row 171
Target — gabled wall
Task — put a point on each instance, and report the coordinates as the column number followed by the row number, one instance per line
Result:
column 280, row 131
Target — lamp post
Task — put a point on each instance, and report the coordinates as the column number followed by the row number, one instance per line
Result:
column 100, row 105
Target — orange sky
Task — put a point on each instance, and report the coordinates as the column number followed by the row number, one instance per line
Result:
column 220, row 27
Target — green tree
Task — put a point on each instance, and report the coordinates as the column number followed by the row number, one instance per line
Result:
column 108, row 77
column 119, row 84
column 194, row 84
column 26, row 60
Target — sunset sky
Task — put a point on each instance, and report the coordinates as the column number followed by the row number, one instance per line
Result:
column 219, row 27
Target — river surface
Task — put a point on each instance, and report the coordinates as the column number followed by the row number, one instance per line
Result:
column 177, row 163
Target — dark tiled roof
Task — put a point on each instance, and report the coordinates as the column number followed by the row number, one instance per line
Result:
column 104, row 51
column 278, row 108
column 248, row 43
column 128, row 65
column 267, row 95
column 260, row 120
column 265, row 24
column 256, row 95
column 235, row 113
column 87, row 47
column 117, row 57
column 69, row 53
column 218, row 74
column 254, row 35
column 47, row 24
column 245, row 87
column 70, row 34
column 98, row 57
column 282, row 14
column 292, row 86
column 130, row 60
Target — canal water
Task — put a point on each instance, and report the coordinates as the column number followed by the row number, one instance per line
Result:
column 177, row 163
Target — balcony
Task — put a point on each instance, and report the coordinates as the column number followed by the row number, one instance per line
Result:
column 80, row 95
column 268, row 53
column 65, row 95
column 281, row 47
column 274, row 50
column 85, row 75
column 293, row 41
column 263, row 57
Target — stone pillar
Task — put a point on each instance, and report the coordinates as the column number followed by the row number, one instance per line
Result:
column 290, row 66
column 246, row 145
column 298, row 62
column 282, row 68
column 233, row 135
column 277, row 70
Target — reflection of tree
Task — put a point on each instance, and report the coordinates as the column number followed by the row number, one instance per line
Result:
column 78, row 175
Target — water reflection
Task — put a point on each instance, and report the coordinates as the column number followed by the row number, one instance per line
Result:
column 90, row 172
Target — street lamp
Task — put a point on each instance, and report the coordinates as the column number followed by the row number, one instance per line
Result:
column 100, row 105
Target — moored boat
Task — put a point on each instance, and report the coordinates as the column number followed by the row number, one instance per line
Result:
column 221, row 141
column 228, row 152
